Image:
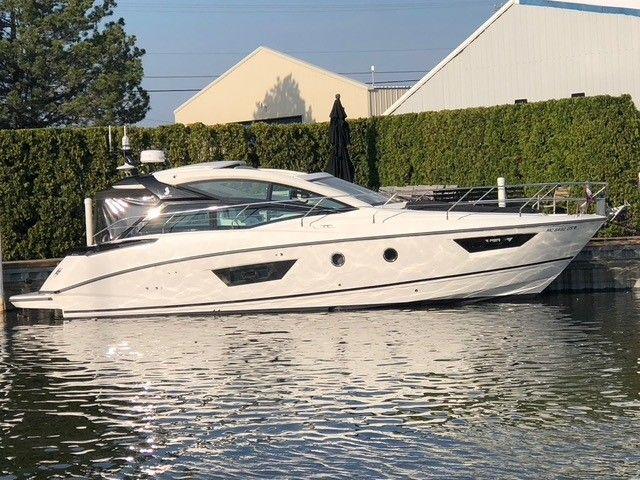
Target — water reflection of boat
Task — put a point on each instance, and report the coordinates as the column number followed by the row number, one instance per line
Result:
column 466, row 387
column 224, row 237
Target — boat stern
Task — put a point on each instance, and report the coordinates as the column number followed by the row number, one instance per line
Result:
column 37, row 301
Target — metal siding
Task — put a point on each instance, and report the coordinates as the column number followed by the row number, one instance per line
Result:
column 538, row 53
column 382, row 98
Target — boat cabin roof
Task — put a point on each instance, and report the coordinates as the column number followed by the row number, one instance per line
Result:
column 216, row 170
column 238, row 171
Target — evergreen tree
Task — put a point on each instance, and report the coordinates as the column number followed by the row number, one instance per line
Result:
column 66, row 62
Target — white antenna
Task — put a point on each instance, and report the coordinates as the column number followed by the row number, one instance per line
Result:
column 373, row 76
column 110, row 140
column 129, row 162
column 126, row 143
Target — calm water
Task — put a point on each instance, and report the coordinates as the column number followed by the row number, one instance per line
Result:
column 547, row 388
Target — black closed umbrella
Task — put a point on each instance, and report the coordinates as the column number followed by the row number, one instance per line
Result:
column 341, row 165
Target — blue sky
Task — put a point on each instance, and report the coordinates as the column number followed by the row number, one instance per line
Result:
column 206, row 37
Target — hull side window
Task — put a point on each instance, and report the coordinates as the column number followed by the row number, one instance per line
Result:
column 483, row 244
column 249, row 274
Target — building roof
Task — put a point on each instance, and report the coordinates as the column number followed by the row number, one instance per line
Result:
column 616, row 7
column 604, row 6
column 260, row 49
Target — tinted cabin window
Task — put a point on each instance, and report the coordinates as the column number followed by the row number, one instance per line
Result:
column 233, row 189
column 192, row 218
column 253, row 216
column 361, row 193
column 247, row 191
column 284, row 193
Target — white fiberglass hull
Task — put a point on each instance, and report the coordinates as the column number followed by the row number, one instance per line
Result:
column 209, row 272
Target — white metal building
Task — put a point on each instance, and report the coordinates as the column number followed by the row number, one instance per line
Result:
column 534, row 50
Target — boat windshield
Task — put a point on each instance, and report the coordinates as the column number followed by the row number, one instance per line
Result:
column 361, row 193
column 118, row 210
column 192, row 216
column 131, row 209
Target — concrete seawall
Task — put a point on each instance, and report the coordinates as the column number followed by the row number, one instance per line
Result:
column 604, row 265
column 26, row 276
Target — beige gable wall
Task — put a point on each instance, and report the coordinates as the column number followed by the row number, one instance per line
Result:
column 270, row 85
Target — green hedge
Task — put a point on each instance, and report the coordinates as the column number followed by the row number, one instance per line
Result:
column 45, row 174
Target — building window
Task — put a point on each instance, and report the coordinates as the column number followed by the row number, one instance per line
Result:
column 578, row 95
column 521, row 101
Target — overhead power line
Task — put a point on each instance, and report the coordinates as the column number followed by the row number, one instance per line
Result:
column 333, row 52
column 284, row 7
column 399, row 83
column 380, row 72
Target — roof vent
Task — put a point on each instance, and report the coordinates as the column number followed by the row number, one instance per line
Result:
column 152, row 156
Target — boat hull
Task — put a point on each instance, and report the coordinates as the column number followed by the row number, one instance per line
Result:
column 229, row 276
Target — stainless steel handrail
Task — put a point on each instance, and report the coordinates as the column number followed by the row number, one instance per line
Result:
column 383, row 205
column 460, row 200
column 482, row 197
column 537, row 197
column 309, row 211
column 541, row 194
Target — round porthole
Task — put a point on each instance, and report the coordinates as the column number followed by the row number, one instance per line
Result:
column 390, row 255
column 337, row 259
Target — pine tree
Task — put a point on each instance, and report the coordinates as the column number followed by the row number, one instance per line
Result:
column 68, row 63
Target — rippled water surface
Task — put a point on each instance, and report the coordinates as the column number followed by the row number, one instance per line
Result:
column 545, row 388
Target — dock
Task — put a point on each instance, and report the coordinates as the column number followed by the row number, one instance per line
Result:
column 605, row 265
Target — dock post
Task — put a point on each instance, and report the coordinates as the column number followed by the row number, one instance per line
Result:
column 502, row 192
column 3, row 303
column 88, row 221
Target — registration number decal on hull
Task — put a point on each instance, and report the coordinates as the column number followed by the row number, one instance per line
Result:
column 563, row 228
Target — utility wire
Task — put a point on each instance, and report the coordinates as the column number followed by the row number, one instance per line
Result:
column 391, row 83
column 381, row 72
column 185, row 7
column 332, row 52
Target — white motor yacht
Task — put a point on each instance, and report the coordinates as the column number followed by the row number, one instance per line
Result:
column 224, row 237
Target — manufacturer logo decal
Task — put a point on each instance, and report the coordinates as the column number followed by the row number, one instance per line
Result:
column 563, row 228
